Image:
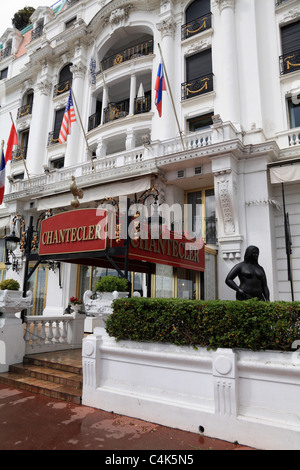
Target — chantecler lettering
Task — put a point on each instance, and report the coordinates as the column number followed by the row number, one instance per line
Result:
column 72, row 234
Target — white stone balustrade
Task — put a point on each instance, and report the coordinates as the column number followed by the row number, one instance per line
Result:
column 43, row 333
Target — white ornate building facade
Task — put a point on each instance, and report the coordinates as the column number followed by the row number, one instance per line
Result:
column 228, row 147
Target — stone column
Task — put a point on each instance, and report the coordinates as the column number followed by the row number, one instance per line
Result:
column 132, row 93
column 74, row 139
column 230, row 80
column 164, row 127
column 104, row 104
column 39, row 130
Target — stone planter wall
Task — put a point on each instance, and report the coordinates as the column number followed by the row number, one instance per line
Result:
column 244, row 396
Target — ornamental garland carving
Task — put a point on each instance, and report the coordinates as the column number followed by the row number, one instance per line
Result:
column 226, row 190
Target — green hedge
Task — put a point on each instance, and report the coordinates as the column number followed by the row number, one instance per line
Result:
column 250, row 324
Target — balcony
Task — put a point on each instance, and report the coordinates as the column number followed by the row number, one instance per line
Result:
column 142, row 49
column 116, row 111
column 19, row 154
column 62, row 87
column 197, row 86
column 196, row 26
column 120, row 110
column 37, row 32
column 6, row 52
column 289, row 62
column 24, row 111
column 53, row 138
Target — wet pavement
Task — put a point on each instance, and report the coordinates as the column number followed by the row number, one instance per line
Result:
column 33, row 422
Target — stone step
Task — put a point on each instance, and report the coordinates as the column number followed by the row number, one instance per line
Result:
column 43, row 372
column 54, row 376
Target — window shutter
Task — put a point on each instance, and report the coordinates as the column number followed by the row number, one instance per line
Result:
column 198, row 65
column 290, row 37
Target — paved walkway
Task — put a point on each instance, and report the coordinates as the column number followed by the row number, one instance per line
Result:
column 34, row 422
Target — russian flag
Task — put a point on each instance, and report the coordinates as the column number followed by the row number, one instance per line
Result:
column 2, row 178
column 160, row 86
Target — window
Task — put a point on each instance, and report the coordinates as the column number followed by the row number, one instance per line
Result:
column 290, row 42
column 199, row 77
column 2, row 260
column 64, row 81
column 70, row 22
column 200, row 122
column 197, row 18
column 54, row 135
column 201, row 214
column 294, row 112
column 58, row 163
column 3, row 73
column 37, row 284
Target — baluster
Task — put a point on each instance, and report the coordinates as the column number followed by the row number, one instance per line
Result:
column 50, row 332
column 27, row 331
column 64, row 332
column 57, row 332
column 43, row 333
column 35, row 333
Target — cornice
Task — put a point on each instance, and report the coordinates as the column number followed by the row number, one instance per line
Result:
column 39, row 187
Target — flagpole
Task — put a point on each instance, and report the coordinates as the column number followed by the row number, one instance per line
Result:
column 171, row 96
column 90, row 153
column 22, row 154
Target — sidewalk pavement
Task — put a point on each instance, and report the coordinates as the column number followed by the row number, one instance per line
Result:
column 34, row 422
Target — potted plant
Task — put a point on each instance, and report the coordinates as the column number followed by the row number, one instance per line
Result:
column 11, row 298
column 112, row 284
column 75, row 304
column 107, row 289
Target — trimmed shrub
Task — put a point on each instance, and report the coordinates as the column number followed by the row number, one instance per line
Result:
column 10, row 284
column 250, row 324
column 111, row 283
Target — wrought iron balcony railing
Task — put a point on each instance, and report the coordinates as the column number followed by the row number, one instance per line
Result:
column 5, row 52
column 94, row 121
column 37, row 32
column 116, row 111
column 197, row 86
column 62, row 87
column 142, row 105
column 142, row 49
column 196, row 26
column 289, row 62
column 24, row 110
column 53, row 138
column 19, row 154
column 119, row 110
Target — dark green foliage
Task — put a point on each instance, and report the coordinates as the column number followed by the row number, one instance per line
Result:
column 10, row 284
column 250, row 324
column 21, row 18
column 111, row 283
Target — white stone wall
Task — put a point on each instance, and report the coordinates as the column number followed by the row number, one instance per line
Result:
column 244, row 396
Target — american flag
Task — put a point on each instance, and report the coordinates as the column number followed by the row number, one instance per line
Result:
column 68, row 118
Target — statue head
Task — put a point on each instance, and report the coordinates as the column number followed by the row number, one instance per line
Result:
column 251, row 254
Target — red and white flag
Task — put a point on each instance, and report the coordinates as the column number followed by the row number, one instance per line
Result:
column 68, row 118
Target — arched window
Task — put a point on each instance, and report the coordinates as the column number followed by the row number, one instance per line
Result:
column 197, row 18
column 197, row 9
column 65, row 80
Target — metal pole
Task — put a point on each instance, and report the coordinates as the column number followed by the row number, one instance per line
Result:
column 288, row 243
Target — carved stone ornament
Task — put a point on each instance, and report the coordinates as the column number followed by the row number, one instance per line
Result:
column 225, row 198
column 167, row 27
column 44, row 88
column 119, row 15
column 78, row 70
column 222, row 4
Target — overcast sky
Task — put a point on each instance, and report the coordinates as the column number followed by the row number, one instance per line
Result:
column 10, row 7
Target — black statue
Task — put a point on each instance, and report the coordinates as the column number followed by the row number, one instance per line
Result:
column 253, row 281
